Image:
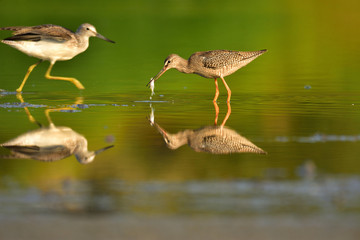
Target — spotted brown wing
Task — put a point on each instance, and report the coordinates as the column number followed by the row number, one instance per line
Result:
column 220, row 58
column 224, row 58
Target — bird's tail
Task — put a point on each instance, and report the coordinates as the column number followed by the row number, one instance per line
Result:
column 252, row 54
column 247, row 57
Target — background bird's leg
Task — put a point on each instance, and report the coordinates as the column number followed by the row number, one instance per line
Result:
column 228, row 113
column 47, row 114
column 27, row 75
column 73, row 80
column 227, row 88
column 216, row 112
column 78, row 100
column 216, row 91
column 31, row 118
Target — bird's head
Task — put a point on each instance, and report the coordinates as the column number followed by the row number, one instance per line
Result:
column 172, row 61
column 88, row 30
column 85, row 157
column 173, row 141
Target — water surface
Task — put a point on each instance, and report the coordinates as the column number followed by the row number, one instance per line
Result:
column 299, row 102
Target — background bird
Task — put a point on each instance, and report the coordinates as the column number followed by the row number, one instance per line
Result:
column 52, row 43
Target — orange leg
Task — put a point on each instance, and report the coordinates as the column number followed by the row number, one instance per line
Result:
column 216, row 91
column 228, row 113
column 216, row 112
column 227, row 88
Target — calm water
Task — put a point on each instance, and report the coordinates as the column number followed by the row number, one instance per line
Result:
column 299, row 102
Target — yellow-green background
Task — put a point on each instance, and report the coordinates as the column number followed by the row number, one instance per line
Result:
column 311, row 44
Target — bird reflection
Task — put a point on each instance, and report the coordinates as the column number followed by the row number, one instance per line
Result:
column 212, row 139
column 50, row 143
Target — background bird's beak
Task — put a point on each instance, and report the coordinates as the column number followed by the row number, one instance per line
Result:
column 98, row 35
column 103, row 149
column 164, row 69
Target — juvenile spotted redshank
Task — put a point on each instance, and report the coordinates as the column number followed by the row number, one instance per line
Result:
column 211, row 64
column 52, row 43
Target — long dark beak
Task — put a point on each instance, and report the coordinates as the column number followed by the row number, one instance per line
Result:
column 98, row 35
column 103, row 149
column 161, row 130
column 162, row 71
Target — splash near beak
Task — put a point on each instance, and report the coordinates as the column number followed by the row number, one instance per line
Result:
column 98, row 35
column 103, row 149
column 162, row 71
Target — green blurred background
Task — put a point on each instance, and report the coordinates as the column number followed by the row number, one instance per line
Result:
column 311, row 44
column 299, row 101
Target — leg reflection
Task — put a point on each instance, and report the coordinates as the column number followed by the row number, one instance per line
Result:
column 79, row 100
column 228, row 113
column 217, row 110
column 31, row 118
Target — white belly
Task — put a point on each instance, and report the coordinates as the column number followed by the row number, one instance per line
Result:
column 46, row 50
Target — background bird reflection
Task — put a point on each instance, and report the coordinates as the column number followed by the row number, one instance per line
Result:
column 50, row 143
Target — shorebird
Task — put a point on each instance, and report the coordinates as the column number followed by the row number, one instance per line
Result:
column 211, row 64
column 52, row 43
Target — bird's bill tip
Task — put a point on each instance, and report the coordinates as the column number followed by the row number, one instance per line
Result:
column 98, row 35
column 151, row 80
column 103, row 149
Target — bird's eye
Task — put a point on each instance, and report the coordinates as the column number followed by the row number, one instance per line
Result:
column 87, row 29
column 168, row 62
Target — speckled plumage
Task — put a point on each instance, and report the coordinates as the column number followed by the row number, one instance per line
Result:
column 211, row 64
column 211, row 139
column 220, row 63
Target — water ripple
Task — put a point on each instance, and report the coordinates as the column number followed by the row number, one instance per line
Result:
column 319, row 137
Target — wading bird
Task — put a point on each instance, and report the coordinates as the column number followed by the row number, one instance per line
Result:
column 211, row 64
column 52, row 43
